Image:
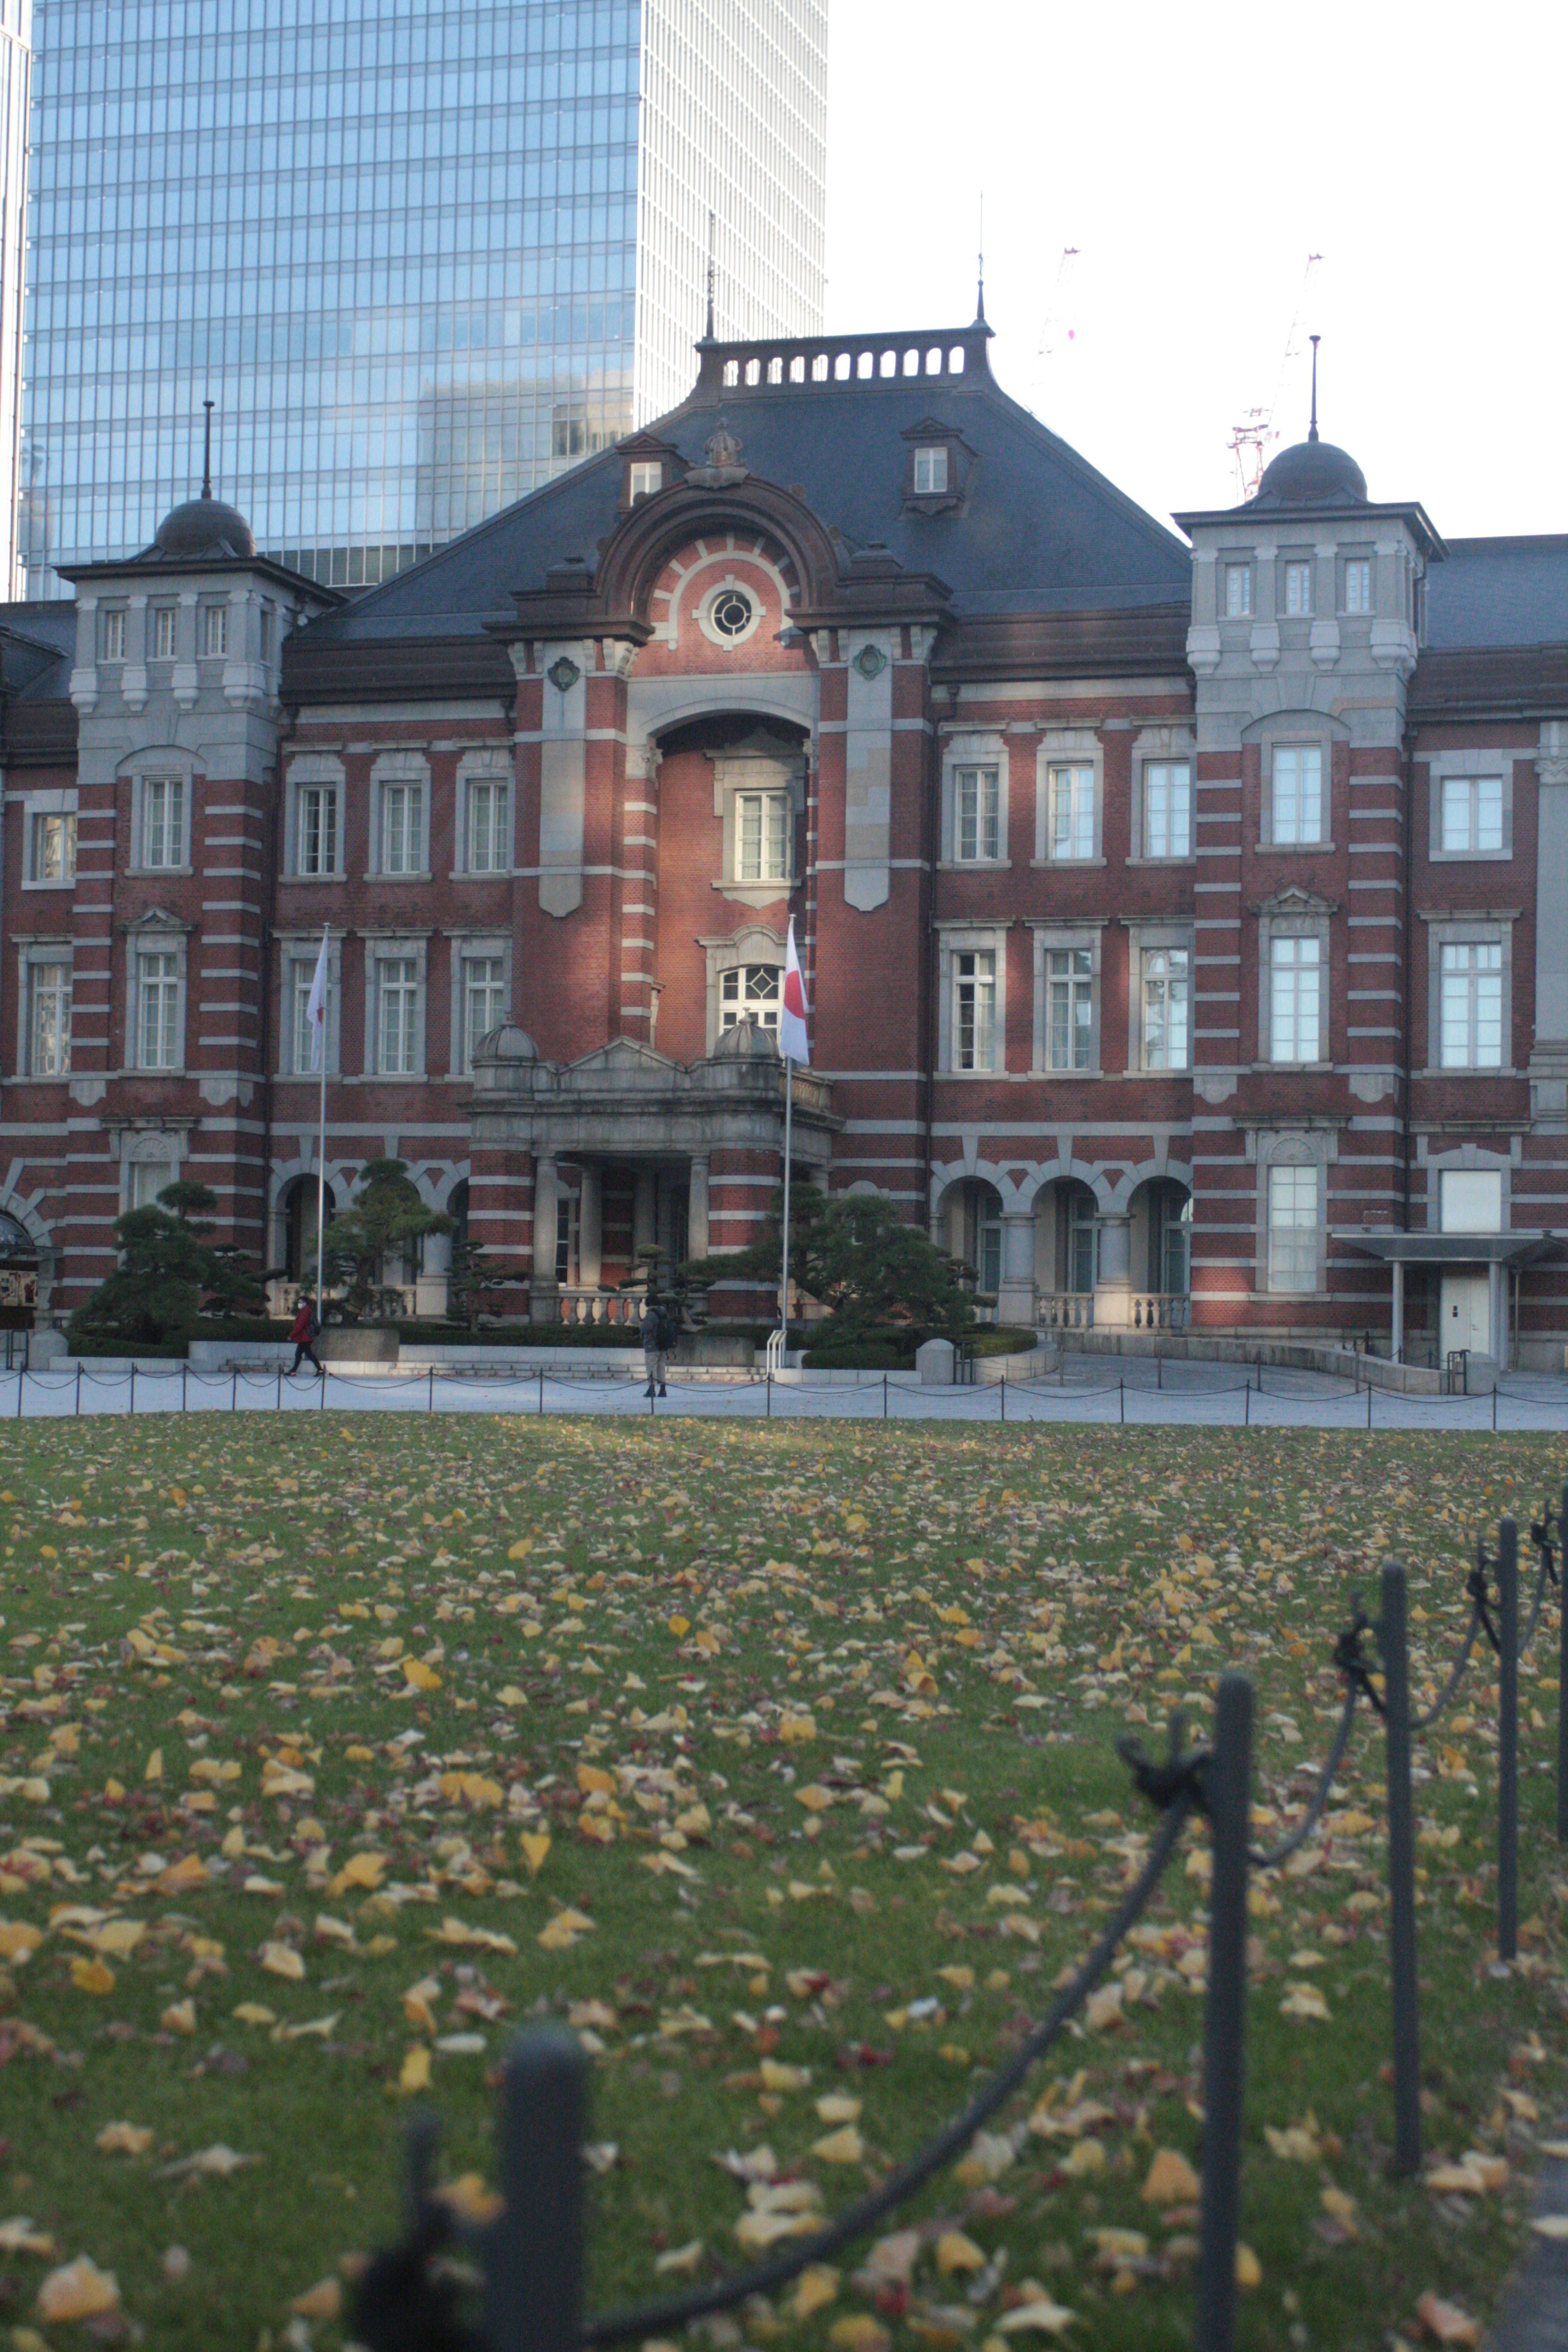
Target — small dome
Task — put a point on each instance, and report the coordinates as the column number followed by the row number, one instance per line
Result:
column 1312, row 474
column 747, row 1041
column 507, row 1044
column 203, row 527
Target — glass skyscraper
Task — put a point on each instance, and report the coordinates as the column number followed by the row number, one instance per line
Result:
column 15, row 70
column 421, row 253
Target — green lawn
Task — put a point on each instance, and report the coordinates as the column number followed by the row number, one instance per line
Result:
column 782, row 1763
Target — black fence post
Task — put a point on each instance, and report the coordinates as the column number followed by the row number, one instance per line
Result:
column 184, row 1372
column 1563, row 1672
column 234, row 1388
column 1004, row 1387
column 1246, row 1405
column 133, row 1393
column 540, row 1393
column 78, row 1392
column 768, row 1414
column 1227, row 1785
column 1393, row 1646
column 1369, row 1404
column 885, row 1415
column 1507, row 1742
column 533, row 2252
column 430, row 1396
column 1122, row 1398
column 277, row 1407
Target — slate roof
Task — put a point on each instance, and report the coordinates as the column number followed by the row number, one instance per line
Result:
column 37, row 646
column 1500, row 591
column 1040, row 530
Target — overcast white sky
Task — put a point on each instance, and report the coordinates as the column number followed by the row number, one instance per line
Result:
column 1196, row 154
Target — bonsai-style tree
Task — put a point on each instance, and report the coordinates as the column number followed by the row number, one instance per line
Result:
column 168, row 1268
column 386, row 1216
column 865, row 1263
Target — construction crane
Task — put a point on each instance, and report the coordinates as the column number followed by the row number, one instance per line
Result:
column 1252, row 437
column 1051, row 330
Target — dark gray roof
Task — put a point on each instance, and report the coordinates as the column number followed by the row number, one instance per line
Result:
column 1039, row 528
column 1500, row 591
column 37, row 646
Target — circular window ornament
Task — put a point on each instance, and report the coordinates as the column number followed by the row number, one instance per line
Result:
column 729, row 614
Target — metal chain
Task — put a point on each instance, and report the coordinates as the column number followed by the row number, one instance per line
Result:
column 1356, row 1667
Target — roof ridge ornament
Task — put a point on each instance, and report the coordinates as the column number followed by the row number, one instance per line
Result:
column 721, row 467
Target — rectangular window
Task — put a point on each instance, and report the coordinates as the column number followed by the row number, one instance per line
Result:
column 1166, row 983
column 976, row 813
column 764, row 825
column 1295, row 999
column 1069, row 1009
column 163, row 617
column 1294, row 1229
column 114, row 636
column 490, row 851
column 302, row 979
column 931, row 472
column 974, row 1010
column 158, row 1010
column 317, row 829
column 1470, row 1199
column 1298, row 809
column 1168, row 809
column 398, row 1026
column 163, row 820
column 269, row 631
column 1472, row 814
column 1298, row 588
column 1238, row 591
column 751, row 992
column 402, row 828
column 484, row 1001
column 215, row 630
column 647, row 480
column 1470, row 1013
column 1358, row 585
column 1072, row 812
column 49, row 1020
column 53, row 848
column 145, row 1178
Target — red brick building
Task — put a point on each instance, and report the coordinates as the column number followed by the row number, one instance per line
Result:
column 1169, row 904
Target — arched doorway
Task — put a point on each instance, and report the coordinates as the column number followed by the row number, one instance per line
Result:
column 1066, row 1254
column 297, row 1222
column 1161, row 1213
column 975, row 1234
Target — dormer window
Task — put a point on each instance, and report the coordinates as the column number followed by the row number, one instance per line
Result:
column 645, row 480
column 930, row 470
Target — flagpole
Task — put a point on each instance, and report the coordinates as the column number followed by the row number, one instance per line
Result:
column 321, row 1151
column 783, row 1285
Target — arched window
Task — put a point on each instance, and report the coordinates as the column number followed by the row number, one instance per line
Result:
column 299, row 1219
column 975, row 1234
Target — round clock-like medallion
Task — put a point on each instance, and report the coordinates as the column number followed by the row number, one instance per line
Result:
column 732, row 613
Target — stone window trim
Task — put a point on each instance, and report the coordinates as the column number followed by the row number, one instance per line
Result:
column 955, row 938
column 1490, row 927
column 1286, row 1146
column 59, row 802
column 398, row 768
column 389, row 947
column 484, row 767
column 986, row 749
column 153, row 767
column 749, row 943
column 34, row 955
column 1364, row 551
column 1295, row 914
column 296, row 953
column 1067, row 747
column 1154, row 747
column 1467, row 1158
column 715, row 601
column 466, row 947
column 156, row 934
column 930, row 433
column 1440, row 766
column 1145, row 936
column 313, row 768
column 157, row 1146
column 1052, row 931
column 1289, row 559
column 752, row 771
column 1298, row 738
column 1239, row 561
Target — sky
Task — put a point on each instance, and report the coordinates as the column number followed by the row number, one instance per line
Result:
column 1197, row 156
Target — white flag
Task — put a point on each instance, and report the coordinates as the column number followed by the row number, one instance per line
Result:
column 793, row 1042
column 316, row 1009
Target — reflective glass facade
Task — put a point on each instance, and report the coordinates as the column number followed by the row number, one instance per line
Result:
column 15, row 68
column 421, row 256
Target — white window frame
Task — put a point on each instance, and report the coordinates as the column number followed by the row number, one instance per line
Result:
column 1284, row 1183
column 1056, row 937
column 214, row 631
column 144, row 946
column 754, row 943
column 145, row 787
column 1148, row 950
column 467, row 948
column 1471, row 1005
column 41, row 809
column 1358, row 586
column 977, row 815
column 297, row 953
column 733, row 775
column 1067, row 748
column 399, row 771
column 1167, row 766
column 1289, row 808
column 1467, row 1167
column 114, row 618
column 1238, row 591
column 737, row 1001
column 53, row 958
column 319, row 842
column 490, row 991
column 645, row 480
column 1468, row 931
column 314, row 771
column 964, row 940
column 1295, row 937
column 384, row 948
column 933, row 459
column 145, row 1172
column 1470, row 769
column 970, row 754
column 494, row 781
column 1296, row 587
column 166, row 623
column 775, row 812
column 1071, row 812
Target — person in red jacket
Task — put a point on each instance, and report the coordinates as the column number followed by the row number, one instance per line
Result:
column 303, row 1334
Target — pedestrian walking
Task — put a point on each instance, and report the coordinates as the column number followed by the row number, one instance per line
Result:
column 658, row 1338
column 305, row 1326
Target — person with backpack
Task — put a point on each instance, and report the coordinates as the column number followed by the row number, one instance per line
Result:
column 305, row 1326
column 658, row 1340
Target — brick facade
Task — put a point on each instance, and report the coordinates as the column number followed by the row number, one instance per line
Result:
column 1147, row 962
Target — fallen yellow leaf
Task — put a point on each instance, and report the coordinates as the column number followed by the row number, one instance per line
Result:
column 78, row 2291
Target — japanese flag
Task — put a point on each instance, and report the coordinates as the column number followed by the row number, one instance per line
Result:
column 316, row 1006
column 793, row 1043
